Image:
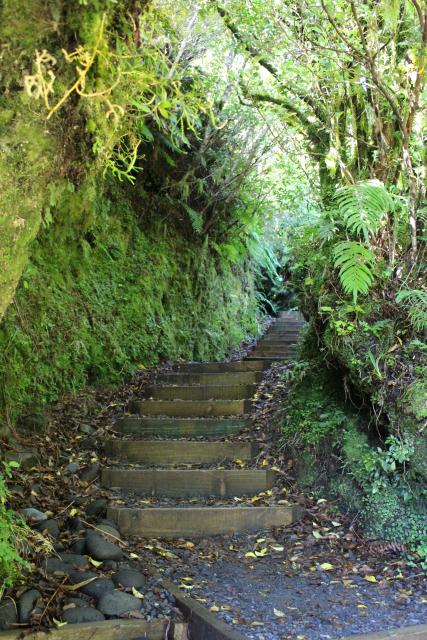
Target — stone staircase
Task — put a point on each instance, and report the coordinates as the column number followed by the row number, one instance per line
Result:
column 177, row 428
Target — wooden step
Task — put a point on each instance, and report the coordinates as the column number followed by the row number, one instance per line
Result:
column 170, row 522
column 267, row 359
column 272, row 340
column 180, row 427
column 205, row 392
column 191, row 408
column 271, row 351
column 188, row 483
column 219, row 367
column 156, row 452
column 237, row 377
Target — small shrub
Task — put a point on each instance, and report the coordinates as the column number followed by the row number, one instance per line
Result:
column 12, row 530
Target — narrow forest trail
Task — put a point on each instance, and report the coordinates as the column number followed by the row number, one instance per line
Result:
column 196, row 496
column 189, row 408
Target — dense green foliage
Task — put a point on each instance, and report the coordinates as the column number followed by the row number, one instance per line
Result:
column 340, row 454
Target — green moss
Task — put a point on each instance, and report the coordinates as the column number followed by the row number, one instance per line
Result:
column 97, row 302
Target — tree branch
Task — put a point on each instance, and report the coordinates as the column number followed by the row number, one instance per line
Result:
column 269, row 66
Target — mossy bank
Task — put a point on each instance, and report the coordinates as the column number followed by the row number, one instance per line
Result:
column 94, row 307
column 100, row 273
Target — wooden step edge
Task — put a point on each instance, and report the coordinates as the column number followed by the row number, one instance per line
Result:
column 182, row 451
column 202, row 623
column 188, row 483
column 105, row 629
column 199, row 522
column 190, row 408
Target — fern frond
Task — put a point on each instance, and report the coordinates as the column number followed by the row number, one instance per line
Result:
column 196, row 218
column 364, row 207
column 355, row 261
column 415, row 301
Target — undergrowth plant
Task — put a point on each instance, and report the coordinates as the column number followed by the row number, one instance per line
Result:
column 12, row 532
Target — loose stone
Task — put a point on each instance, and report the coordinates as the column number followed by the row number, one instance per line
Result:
column 97, row 588
column 8, row 614
column 116, row 603
column 129, row 578
column 82, row 614
column 75, row 559
column 27, row 603
column 33, row 516
column 49, row 526
column 101, row 549
column 98, row 508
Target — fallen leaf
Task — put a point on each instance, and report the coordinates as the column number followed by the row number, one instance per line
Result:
column 96, row 563
column 371, row 579
column 278, row 613
column 327, row 566
column 137, row 593
column 58, row 623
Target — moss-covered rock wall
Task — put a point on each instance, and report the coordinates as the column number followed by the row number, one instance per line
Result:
column 94, row 305
column 97, row 276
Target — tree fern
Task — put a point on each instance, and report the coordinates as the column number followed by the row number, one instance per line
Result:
column 355, row 261
column 364, row 206
column 415, row 301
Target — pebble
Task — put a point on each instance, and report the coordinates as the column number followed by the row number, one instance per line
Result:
column 98, row 508
column 82, row 614
column 33, row 516
column 129, row 578
column 8, row 614
column 79, row 546
column 86, row 429
column 72, row 467
column 75, row 524
column 116, row 603
column 97, row 588
column 49, row 526
column 27, row 602
column 75, row 559
column 76, row 602
column 57, row 566
column 80, row 576
column 110, row 532
column 101, row 549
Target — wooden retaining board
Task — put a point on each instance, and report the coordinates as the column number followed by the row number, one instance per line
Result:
column 181, row 427
column 202, row 623
column 416, row 632
column 156, row 452
column 237, row 377
column 104, row 630
column 170, row 522
column 188, row 483
column 203, row 392
column 191, row 408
